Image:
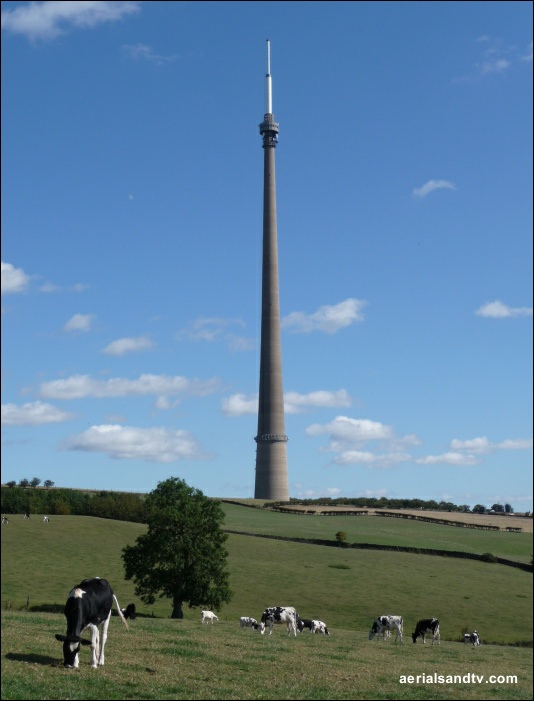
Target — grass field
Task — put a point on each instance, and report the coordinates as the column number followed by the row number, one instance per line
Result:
column 344, row 587
column 165, row 659
column 382, row 531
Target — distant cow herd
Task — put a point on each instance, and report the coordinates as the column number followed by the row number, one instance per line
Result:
column 89, row 605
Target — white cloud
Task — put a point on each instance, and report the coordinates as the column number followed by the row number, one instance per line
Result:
column 332, row 492
column 47, row 20
column 13, row 279
column 294, row 403
column 499, row 310
column 328, row 318
column 240, row 405
column 347, row 430
column 450, row 458
column 128, row 345
column 360, row 457
column 348, row 438
column 142, row 51
column 432, row 185
column 483, row 445
column 79, row 322
column 32, row 414
column 131, row 443
column 494, row 65
column 515, row 444
column 80, row 386
column 468, row 452
column 215, row 329
column 474, row 445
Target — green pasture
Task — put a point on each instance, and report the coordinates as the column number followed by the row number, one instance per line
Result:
column 168, row 659
column 381, row 531
column 346, row 588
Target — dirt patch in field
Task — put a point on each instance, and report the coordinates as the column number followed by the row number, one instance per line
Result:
column 502, row 522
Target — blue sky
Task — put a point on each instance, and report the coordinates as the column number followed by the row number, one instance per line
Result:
column 132, row 192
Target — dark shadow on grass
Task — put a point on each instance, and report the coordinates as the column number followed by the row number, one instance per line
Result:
column 48, row 608
column 33, row 659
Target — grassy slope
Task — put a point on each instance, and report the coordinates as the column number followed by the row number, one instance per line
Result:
column 345, row 588
column 164, row 659
column 383, row 531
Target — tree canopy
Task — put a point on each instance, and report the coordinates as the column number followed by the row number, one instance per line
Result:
column 182, row 555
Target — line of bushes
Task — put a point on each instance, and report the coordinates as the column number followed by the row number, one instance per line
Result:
column 485, row 557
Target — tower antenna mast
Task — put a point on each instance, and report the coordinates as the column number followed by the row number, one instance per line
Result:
column 271, row 455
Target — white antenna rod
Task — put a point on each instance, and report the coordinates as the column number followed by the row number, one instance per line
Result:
column 268, row 83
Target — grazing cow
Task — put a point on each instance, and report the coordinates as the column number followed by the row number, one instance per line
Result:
column 319, row 627
column 304, row 623
column 5, row 521
column 247, row 622
column 279, row 614
column 472, row 638
column 46, row 519
column 88, row 605
column 26, row 516
column 382, row 624
column 424, row 626
column 208, row 616
column 129, row 612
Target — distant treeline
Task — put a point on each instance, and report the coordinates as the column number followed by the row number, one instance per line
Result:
column 120, row 506
column 381, row 503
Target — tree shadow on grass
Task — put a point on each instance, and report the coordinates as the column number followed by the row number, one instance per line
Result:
column 33, row 659
column 48, row 608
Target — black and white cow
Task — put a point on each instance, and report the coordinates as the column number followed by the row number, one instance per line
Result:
column 247, row 622
column 319, row 627
column 383, row 624
column 88, row 605
column 5, row 521
column 279, row 614
column 130, row 612
column 46, row 519
column 304, row 623
column 472, row 638
column 427, row 626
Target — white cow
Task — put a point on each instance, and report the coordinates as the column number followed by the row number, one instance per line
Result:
column 472, row 638
column 383, row 624
column 46, row 519
column 247, row 622
column 208, row 616
column 319, row 627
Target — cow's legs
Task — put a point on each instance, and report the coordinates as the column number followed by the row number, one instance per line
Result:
column 95, row 640
column 103, row 639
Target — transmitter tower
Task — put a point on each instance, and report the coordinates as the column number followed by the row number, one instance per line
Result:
column 271, row 439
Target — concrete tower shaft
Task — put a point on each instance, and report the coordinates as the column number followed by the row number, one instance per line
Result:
column 271, row 454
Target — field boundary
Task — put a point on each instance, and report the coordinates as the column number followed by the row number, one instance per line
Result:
column 396, row 548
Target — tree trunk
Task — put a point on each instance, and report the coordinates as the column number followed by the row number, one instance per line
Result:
column 177, row 611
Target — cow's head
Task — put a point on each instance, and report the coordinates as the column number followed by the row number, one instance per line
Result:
column 374, row 630
column 262, row 627
column 71, row 648
column 414, row 637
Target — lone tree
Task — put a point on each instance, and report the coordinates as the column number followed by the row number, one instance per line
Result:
column 182, row 555
column 341, row 538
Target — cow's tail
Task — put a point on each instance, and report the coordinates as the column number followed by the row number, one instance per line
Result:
column 119, row 610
